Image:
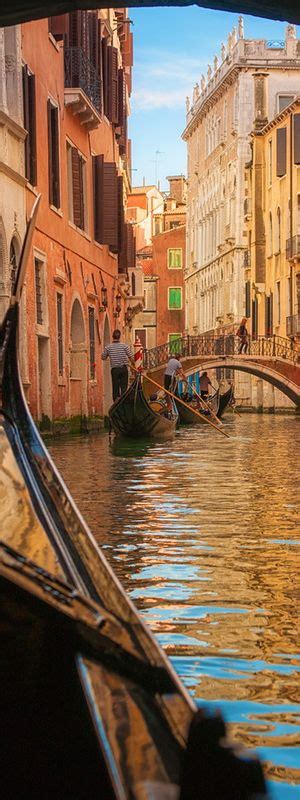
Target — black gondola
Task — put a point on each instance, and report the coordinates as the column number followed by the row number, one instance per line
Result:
column 224, row 401
column 134, row 415
column 90, row 705
column 186, row 415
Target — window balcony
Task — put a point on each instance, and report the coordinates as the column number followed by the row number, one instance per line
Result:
column 293, row 325
column 82, row 87
column 293, row 247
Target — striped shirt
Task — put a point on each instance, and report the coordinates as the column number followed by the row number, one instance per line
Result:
column 118, row 354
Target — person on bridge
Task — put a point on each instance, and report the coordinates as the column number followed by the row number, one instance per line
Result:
column 205, row 383
column 173, row 368
column 242, row 333
column 119, row 355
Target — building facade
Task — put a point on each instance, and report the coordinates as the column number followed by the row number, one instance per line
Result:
column 218, row 134
column 76, row 90
column 272, row 215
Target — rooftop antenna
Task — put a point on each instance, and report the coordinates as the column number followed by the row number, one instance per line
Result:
column 155, row 161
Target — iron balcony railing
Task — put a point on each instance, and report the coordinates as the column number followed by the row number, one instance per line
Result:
column 293, row 247
column 226, row 345
column 81, row 74
column 293, row 325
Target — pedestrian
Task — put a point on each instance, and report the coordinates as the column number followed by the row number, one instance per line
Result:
column 242, row 333
column 119, row 355
column 205, row 383
column 173, row 368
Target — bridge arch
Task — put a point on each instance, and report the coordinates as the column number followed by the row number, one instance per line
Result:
column 267, row 371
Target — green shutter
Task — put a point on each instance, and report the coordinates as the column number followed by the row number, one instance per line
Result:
column 175, row 297
column 174, row 258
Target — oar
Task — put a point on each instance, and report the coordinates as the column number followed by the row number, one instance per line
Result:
column 178, row 400
column 207, row 406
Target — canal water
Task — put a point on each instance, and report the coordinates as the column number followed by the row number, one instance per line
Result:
column 203, row 532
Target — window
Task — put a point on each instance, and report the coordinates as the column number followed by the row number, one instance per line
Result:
column 247, row 299
column 133, row 284
column 278, row 302
column 29, row 124
column 174, row 298
column 108, row 206
column 53, row 155
column 76, row 166
column 278, row 231
column 281, row 152
column 284, row 100
column 141, row 334
column 296, row 138
column 270, row 234
column 60, row 350
column 175, row 345
column 175, row 258
column 92, row 342
column 270, row 161
column 39, row 305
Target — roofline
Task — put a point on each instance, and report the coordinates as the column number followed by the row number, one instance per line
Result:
column 279, row 117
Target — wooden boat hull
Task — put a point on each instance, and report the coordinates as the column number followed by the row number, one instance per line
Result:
column 131, row 415
column 188, row 418
column 224, row 401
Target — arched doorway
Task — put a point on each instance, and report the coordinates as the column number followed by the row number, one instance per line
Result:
column 78, row 362
column 107, row 391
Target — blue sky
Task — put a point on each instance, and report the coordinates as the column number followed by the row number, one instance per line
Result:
column 172, row 47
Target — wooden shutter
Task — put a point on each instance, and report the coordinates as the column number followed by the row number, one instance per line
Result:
column 113, row 85
column 121, row 97
column 281, row 152
column 55, row 157
column 296, row 138
column 76, row 187
column 32, row 130
column 254, row 317
column 93, row 40
column 104, row 49
column 121, row 221
column 25, row 77
column 50, row 153
column 98, row 193
column 123, row 263
column 247, row 299
column 110, row 206
column 59, row 26
column 130, row 247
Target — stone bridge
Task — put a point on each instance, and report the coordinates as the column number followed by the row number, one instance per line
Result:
column 273, row 358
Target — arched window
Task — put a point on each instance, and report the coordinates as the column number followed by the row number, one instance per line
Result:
column 270, row 234
column 13, row 263
column 278, row 231
column 132, row 283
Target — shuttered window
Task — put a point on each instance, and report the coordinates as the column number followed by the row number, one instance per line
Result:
column 175, row 258
column 121, row 221
column 254, row 318
column 113, row 85
column 174, row 298
column 104, row 60
column 76, row 166
column 53, row 155
column 60, row 351
column 269, row 315
column 97, row 196
column 281, row 152
column 92, row 342
column 38, row 266
column 247, row 299
column 105, row 180
column 297, row 138
column 29, row 106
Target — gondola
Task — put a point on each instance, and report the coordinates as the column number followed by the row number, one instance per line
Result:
column 225, row 399
column 187, row 417
column 90, row 705
column 134, row 415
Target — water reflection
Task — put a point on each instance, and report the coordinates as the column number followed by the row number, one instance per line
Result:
column 204, row 534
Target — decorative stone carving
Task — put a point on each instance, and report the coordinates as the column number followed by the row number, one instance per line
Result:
column 196, row 92
column 10, row 63
column 233, row 37
column 209, row 72
column 203, row 83
column 241, row 28
column 290, row 32
column 223, row 51
column 216, row 63
column 187, row 104
column 229, row 42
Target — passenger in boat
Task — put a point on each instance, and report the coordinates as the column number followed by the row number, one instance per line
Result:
column 205, row 383
column 120, row 356
column 242, row 333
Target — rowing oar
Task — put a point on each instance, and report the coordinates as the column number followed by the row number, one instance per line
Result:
column 178, row 400
column 207, row 406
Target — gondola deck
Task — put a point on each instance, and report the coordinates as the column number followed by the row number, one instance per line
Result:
column 131, row 415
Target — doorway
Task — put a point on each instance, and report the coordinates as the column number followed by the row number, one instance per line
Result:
column 78, row 363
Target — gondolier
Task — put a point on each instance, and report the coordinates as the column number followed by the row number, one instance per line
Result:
column 173, row 368
column 120, row 356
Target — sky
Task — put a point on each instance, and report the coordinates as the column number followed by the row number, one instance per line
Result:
column 172, row 47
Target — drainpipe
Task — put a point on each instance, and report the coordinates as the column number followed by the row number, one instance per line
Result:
column 291, row 213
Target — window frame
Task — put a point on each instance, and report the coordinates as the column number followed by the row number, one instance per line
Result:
column 173, row 250
column 60, row 339
column 179, row 289
column 54, row 191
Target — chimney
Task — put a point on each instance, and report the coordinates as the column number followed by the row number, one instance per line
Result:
column 260, row 100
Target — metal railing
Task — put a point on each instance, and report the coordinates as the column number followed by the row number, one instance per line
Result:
column 80, row 73
column 293, row 325
column 226, row 345
column 293, row 247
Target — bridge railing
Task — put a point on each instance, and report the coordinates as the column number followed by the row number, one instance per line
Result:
column 227, row 345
